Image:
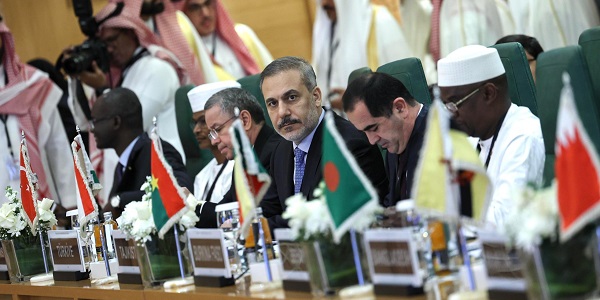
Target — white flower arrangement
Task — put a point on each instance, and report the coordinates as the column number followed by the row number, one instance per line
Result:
column 534, row 217
column 137, row 221
column 311, row 220
column 12, row 217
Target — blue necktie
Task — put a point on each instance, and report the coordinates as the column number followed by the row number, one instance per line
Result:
column 300, row 165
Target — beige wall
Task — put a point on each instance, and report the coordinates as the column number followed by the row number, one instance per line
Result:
column 42, row 28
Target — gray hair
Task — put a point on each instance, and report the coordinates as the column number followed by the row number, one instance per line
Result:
column 288, row 63
column 229, row 99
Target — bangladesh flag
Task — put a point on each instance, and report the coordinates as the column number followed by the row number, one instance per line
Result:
column 346, row 202
column 168, row 201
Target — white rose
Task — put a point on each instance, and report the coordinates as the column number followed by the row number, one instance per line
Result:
column 188, row 220
column 45, row 204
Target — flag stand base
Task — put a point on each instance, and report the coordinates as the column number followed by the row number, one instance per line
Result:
column 513, row 295
column 399, row 290
column 127, row 278
column 296, row 285
column 208, row 281
column 70, row 276
column 4, row 275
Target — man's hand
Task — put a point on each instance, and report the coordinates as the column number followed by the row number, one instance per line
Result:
column 335, row 98
column 94, row 78
column 61, row 216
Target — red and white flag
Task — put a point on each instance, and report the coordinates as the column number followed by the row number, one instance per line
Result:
column 29, row 194
column 86, row 181
column 577, row 168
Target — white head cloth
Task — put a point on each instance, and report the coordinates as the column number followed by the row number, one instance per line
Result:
column 200, row 94
column 469, row 64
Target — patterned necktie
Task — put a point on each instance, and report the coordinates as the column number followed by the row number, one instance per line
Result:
column 300, row 165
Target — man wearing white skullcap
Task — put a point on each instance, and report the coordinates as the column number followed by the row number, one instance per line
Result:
column 474, row 88
column 214, row 180
column 219, row 114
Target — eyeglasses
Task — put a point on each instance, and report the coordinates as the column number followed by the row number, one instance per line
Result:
column 110, row 41
column 214, row 133
column 92, row 122
column 453, row 106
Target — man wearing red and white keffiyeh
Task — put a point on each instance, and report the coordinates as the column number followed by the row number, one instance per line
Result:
column 137, row 62
column 28, row 100
column 234, row 49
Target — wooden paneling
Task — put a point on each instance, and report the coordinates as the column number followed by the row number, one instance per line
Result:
column 285, row 27
column 43, row 28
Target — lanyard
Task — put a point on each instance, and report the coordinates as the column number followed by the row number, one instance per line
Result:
column 132, row 61
column 489, row 156
column 212, row 187
column 4, row 118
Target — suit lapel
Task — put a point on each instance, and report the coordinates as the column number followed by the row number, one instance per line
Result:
column 135, row 151
column 286, row 170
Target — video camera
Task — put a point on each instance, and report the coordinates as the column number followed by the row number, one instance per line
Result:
column 92, row 49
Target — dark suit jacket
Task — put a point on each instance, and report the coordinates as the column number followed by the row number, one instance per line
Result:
column 282, row 169
column 264, row 145
column 412, row 153
column 138, row 167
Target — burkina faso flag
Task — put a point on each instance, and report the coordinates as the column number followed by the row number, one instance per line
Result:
column 168, row 201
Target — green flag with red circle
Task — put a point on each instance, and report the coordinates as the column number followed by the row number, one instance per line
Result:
column 348, row 191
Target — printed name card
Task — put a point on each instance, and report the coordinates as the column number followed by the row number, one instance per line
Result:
column 209, row 252
column 65, row 249
column 126, row 255
column 292, row 256
column 504, row 270
column 392, row 257
column 3, row 266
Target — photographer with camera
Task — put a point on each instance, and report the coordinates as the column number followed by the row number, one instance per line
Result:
column 136, row 62
column 28, row 103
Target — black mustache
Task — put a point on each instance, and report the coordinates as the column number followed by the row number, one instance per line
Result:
column 287, row 121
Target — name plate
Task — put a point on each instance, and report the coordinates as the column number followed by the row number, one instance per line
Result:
column 65, row 249
column 392, row 257
column 292, row 256
column 504, row 270
column 3, row 266
column 209, row 252
column 126, row 254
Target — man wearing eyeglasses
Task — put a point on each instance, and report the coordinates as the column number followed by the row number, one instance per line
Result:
column 474, row 88
column 214, row 180
column 219, row 114
column 293, row 99
column 381, row 106
column 117, row 124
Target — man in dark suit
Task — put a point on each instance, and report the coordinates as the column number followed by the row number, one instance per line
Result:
column 294, row 105
column 117, row 124
column 381, row 106
column 219, row 114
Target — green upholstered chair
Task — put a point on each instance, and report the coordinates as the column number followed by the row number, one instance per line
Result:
column 196, row 158
column 252, row 85
column 410, row 72
column 550, row 66
column 589, row 41
column 358, row 72
column 520, row 81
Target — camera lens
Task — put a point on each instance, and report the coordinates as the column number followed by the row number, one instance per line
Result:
column 80, row 61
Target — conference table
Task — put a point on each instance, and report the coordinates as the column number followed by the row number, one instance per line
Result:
column 66, row 290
